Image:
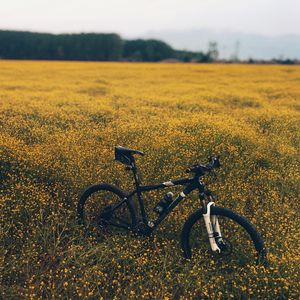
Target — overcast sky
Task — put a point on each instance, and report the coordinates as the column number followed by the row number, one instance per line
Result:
column 132, row 18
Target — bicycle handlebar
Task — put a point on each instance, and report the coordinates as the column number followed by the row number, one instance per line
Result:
column 214, row 162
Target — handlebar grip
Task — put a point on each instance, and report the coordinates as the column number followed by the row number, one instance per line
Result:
column 214, row 162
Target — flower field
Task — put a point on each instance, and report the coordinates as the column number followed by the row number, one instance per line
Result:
column 59, row 124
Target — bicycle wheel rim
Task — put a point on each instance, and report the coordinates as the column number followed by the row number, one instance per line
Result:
column 243, row 249
column 99, row 213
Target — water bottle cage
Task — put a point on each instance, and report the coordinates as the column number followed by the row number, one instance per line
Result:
column 164, row 203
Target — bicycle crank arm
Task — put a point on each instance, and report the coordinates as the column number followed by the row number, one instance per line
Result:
column 210, row 229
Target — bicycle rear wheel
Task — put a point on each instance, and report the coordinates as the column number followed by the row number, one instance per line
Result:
column 104, row 207
column 241, row 243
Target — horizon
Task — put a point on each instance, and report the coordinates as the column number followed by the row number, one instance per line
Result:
column 142, row 35
column 231, row 46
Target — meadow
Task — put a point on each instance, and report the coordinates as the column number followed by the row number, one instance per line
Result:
column 59, row 124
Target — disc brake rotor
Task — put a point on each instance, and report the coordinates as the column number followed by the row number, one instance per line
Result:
column 225, row 246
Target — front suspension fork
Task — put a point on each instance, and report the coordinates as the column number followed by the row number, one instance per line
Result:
column 213, row 228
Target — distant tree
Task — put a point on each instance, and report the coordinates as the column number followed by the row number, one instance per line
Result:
column 146, row 50
column 188, row 56
column 91, row 46
column 137, row 56
column 284, row 61
column 213, row 51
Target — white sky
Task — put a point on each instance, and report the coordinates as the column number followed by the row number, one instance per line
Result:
column 134, row 17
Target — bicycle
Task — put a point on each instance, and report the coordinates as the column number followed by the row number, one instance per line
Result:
column 226, row 231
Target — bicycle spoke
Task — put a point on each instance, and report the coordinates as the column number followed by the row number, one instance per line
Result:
column 232, row 233
column 104, row 208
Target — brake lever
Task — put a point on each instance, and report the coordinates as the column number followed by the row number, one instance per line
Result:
column 217, row 160
column 214, row 162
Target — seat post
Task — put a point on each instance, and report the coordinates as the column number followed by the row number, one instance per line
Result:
column 137, row 179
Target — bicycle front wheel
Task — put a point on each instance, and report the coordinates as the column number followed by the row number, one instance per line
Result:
column 104, row 207
column 241, row 243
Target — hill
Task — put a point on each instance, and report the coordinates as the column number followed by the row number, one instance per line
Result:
column 233, row 44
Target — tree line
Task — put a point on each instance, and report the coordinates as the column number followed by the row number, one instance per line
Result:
column 92, row 47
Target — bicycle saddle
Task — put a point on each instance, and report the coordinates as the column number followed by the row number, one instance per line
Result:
column 127, row 151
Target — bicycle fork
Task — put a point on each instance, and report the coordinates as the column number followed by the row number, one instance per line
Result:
column 213, row 228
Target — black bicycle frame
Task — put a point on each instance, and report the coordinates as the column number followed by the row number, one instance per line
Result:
column 190, row 184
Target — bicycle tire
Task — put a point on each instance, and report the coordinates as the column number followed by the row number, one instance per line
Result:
column 249, row 228
column 111, row 190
